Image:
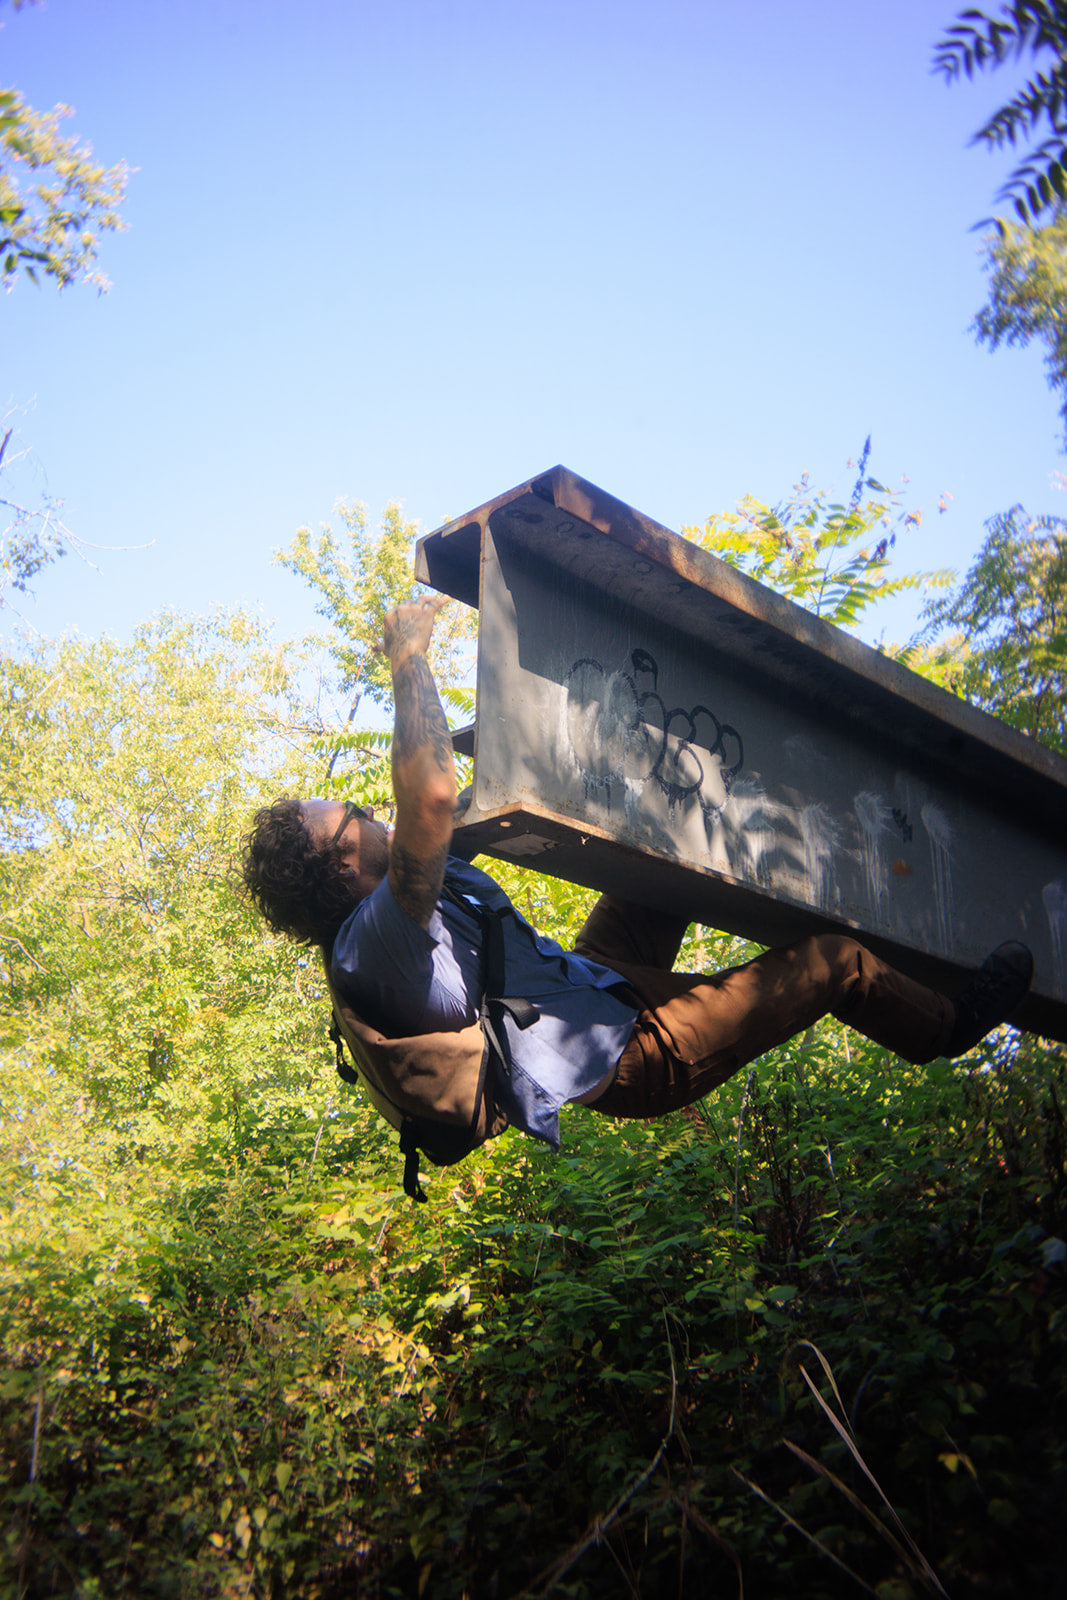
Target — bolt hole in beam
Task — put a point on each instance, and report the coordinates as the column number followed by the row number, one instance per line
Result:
column 653, row 722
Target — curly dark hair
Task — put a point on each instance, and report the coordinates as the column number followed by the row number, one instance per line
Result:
column 296, row 884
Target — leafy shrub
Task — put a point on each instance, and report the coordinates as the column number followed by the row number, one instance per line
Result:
column 265, row 1373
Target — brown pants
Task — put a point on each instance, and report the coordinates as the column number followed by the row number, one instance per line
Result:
column 695, row 1031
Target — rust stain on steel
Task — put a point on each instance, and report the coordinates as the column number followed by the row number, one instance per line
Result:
column 769, row 631
column 650, row 717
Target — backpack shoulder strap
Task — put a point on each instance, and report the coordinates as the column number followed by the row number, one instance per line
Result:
column 440, row 1144
column 493, row 974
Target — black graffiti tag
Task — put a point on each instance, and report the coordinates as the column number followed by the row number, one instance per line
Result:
column 621, row 730
column 901, row 820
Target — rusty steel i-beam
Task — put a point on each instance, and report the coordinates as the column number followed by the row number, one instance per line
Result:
column 653, row 722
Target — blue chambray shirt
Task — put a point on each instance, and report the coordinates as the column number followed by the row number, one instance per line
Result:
column 404, row 979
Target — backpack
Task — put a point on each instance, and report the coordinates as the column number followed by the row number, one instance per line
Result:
column 439, row 1090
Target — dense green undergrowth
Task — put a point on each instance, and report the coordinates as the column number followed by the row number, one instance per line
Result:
column 588, row 1376
column 807, row 1338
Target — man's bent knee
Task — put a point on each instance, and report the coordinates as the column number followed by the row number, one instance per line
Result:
column 833, row 962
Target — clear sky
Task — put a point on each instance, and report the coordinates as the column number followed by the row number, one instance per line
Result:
column 424, row 249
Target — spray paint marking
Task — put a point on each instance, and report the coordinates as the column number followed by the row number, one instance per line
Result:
column 901, row 819
column 620, row 730
column 1054, row 898
column 875, row 819
column 755, row 825
column 939, row 832
column 820, row 835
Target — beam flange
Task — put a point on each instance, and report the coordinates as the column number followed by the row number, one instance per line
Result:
column 652, row 721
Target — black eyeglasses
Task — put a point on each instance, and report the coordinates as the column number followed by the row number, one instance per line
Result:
column 351, row 812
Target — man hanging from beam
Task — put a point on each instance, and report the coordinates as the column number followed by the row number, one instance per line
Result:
column 401, row 925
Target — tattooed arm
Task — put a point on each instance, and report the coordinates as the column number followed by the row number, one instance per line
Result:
column 424, row 776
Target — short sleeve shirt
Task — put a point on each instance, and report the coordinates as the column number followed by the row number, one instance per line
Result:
column 405, row 979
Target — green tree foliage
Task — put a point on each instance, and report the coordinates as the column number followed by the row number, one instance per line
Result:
column 265, row 1374
column 235, row 1362
column 31, row 530
column 127, row 775
column 1027, row 279
column 358, row 574
column 1028, row 296
column 1038, row 112
column 55, row 200
column 1003, row 632
column 831, row 557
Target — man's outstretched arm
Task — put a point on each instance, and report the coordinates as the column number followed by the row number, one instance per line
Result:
column 424, row 774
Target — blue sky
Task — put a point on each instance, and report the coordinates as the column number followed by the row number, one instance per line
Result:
column 424, row 249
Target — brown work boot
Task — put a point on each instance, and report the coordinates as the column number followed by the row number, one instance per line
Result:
column 990, row 997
